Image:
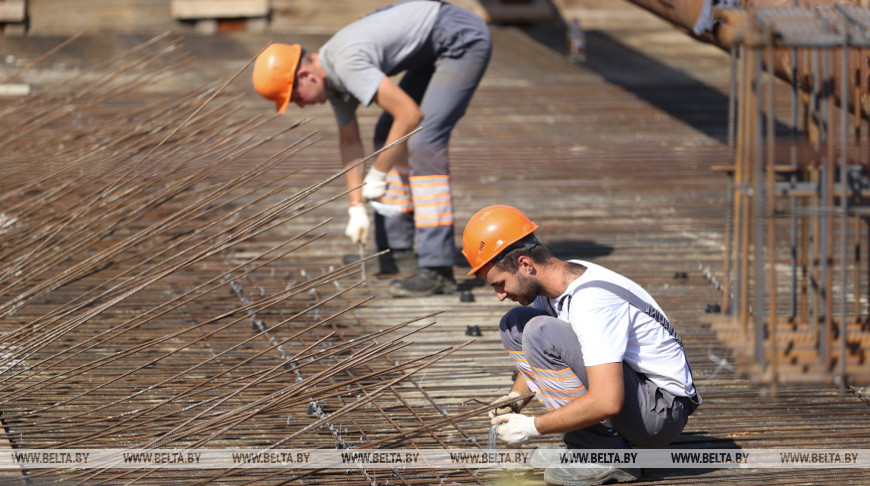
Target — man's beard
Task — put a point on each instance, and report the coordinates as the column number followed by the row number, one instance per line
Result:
column 529, row 290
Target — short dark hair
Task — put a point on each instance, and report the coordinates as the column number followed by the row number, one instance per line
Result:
column 528, row 246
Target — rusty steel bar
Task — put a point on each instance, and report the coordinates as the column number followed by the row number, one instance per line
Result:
column 736, row 26
column 822, row 189
column 770, row 358
column 151, row 211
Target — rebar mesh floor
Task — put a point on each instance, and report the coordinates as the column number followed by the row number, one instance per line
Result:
column 148, row 300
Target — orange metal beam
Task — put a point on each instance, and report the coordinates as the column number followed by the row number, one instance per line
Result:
column 732, row 26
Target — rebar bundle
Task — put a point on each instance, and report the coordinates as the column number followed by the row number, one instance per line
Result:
column 142, row 309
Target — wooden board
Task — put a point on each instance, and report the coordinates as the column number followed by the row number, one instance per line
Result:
column 219, row 9
column 12, row 11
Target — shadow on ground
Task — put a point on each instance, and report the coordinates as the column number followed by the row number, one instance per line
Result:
column 645, row 77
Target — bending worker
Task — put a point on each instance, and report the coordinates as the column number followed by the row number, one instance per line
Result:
column 444, row 51
column 595, row 347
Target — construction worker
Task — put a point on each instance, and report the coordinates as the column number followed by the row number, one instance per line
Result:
column 595, row 348
column 444, row 51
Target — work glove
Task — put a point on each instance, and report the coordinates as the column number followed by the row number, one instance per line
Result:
column 397, row 198
column 375, row 184
column 384, row 209
column 514, row 407
column 515, row 428
column 358, row 224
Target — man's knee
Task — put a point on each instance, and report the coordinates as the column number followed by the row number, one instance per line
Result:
column 551, row 344
column 518, row 317
column 512, row 325
column 538, row 327
column 545, row 336
column 541, row 330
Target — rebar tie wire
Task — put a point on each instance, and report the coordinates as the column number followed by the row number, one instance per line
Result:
column 492, row 441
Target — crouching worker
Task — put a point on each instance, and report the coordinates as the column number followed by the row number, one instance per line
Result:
column 595, row 348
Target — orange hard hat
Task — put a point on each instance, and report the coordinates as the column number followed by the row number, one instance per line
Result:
column 274, row 72
column 490, row 231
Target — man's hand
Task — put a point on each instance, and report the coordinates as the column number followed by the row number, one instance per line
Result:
column 358, row 225
column 514, row 407
column 375, row 184
column 515, row 428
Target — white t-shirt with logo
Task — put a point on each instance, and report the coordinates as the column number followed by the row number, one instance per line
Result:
column 611, row 330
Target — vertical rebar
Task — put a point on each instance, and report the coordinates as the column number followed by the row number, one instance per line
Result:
column 770, row 210
column 844, row 208
column 759, row 195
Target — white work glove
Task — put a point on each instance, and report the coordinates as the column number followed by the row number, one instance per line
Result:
column 515, row 428
column 384, row 209
column 375, row 184
column 505, row 409
column 358, row 225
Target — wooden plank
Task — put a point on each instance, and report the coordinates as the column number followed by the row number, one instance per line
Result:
column 219, row 9
column 12, row 11
column 64, row 18
column 14, row 89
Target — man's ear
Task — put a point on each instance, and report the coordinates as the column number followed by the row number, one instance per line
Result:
column 302, row 71
column 526, row 264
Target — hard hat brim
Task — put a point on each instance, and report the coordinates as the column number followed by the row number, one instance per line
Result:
column 473, row 272
column 281, row 106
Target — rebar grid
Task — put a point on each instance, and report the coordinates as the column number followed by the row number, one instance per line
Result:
column 141, row 310
column 796, row 241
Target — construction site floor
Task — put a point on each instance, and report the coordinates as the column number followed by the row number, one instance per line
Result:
column 613, row 159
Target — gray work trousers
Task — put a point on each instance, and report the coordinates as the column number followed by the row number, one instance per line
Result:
column 546, row 351
column 461, row 47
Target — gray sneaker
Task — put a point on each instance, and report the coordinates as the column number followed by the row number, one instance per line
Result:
column 568, row 475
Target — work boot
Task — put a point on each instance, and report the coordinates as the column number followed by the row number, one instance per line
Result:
column 396, row 262
column 425, row 281
column 583, row 474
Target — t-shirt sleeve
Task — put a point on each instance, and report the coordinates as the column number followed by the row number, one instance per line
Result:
column 600, row 320
column 359, row 72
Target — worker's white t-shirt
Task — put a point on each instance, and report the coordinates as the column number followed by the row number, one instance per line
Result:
column 610, row 330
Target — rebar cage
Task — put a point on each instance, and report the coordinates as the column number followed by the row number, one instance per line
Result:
column 795, row 303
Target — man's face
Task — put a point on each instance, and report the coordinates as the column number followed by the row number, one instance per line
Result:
column 518, row 287
column 308, row 90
